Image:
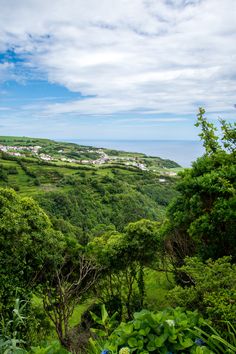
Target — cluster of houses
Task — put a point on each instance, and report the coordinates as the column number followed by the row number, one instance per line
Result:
column 139, row 165
column 19, row 150
column 102, row 159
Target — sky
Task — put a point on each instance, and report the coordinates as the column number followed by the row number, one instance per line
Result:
column 115, row 69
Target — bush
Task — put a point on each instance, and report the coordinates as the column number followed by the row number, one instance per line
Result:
column 52, row 348
column 172, row 330
column 10, row 336
column 211, row 289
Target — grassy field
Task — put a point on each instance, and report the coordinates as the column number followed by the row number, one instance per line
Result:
column 157, row 286
column 41, row 177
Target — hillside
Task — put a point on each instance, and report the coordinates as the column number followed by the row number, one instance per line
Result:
column 121, row 240
column 87, row 186
column 70, row 153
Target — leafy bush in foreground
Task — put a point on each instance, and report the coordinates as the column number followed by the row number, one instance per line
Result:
column 168, row 331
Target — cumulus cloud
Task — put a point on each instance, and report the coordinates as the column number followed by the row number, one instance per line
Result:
column 161, row 56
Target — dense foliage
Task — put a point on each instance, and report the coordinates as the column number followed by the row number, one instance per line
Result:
column 123, row 257
column 114, row 198
column 147, row 332
column 94, row 235
column 28, row 246
column 210, row 289
column 202, row 219
column 168, row 331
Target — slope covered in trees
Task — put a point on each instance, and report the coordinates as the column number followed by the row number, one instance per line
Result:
column 101, row 237
column 80, row 197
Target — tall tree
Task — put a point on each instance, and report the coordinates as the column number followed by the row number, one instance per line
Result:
column 64, row 289
column 202, row 218
column 28, row 246
column 123, row 257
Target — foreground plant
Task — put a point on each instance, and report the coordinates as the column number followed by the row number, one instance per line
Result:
column 217, row 342
column 162, row 332
column 124, row 350
column 107, row 323
column 10, row 341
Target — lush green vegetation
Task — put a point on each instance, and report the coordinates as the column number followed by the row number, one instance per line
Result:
column 103, row 257
column 87, row 196
column 61, row 151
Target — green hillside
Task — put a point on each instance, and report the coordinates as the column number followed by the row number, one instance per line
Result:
column 99, row 249
column 114, row 187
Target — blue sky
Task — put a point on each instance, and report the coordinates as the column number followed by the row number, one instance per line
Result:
column 124, row 70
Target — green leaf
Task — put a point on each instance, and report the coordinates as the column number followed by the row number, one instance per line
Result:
column 159, row 341
column 99, row 332
column 128, row 328
column 151, row 346
column 186, row 343
column 104, row 314
column 137, row 324
column 132, row 342
column 144, row 331
column 95, row 318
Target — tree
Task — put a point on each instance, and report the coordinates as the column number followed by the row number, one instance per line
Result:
column 63, row 291
column 210, row 289
column 123, row 257
column 202, row 218
column 28, row 246
column 34, row 258
column 143, row 243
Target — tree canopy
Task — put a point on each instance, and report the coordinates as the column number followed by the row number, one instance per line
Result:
column 28, row 245
column 202, row 218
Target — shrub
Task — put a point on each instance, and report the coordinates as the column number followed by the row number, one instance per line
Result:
column 161, row 332
column 211, row 289
column 52, row 348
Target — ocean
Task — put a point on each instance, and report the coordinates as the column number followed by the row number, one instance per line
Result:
column 184, row 152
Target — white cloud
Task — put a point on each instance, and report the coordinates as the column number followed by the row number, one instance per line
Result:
column 162, row 56
column 6, row 71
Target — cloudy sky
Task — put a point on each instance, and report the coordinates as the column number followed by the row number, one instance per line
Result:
column 115, row 69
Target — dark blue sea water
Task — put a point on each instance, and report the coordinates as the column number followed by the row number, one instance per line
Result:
column 181, row 151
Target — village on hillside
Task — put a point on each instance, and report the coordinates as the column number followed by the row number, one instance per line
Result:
column 103, row 157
